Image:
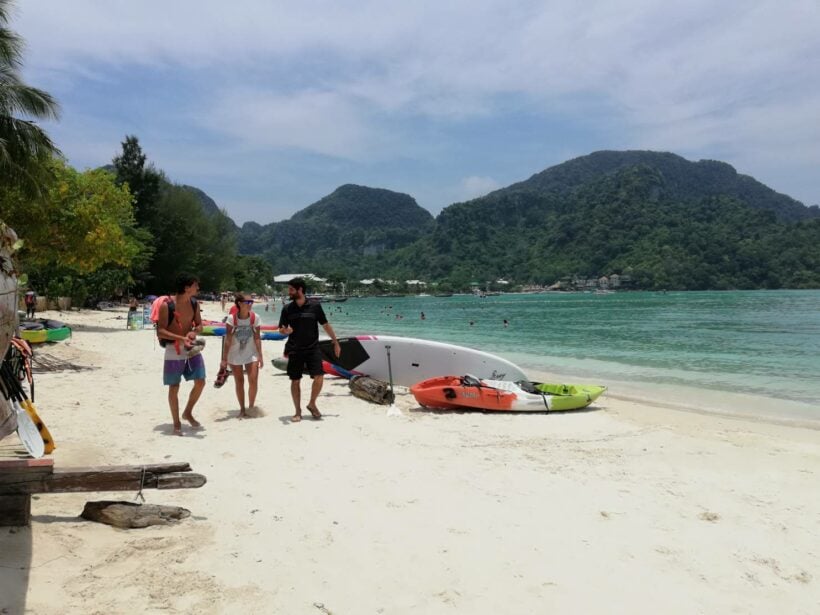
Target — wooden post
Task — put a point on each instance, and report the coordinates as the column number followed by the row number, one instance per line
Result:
column 15, row 510
column 15, row 507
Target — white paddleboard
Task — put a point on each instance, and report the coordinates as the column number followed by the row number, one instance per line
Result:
column 28, row 433
column 413, row 360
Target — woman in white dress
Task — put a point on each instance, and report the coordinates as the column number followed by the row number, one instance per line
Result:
column 243, row 350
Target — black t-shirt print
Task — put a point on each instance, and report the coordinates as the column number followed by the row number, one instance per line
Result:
column 305, row 321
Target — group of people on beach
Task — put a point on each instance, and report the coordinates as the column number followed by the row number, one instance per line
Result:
column 180, row 320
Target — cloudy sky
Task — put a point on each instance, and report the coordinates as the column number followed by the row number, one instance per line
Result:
column 269, row 105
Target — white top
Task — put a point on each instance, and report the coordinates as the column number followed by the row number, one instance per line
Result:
column 243, row 346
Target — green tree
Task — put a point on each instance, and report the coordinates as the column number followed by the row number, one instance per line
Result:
column 189, row 240
column 79, row 234
column 336, row 280
column 252, row 274
column 24, row 146
column 81, row 222
column 143, row 182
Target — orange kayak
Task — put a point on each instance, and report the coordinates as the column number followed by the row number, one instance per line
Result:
column 449, row 392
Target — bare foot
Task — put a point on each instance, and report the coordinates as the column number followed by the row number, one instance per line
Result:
column 190, row 418
column 314, row 412
column 177, row 430
column 243, row 414
column 296, row 418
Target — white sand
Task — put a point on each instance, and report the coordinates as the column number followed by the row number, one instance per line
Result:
column 630, row 508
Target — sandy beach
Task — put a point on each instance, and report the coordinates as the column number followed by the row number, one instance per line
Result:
column 628, row 507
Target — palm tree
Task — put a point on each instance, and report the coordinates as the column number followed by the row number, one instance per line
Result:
column 23, row 144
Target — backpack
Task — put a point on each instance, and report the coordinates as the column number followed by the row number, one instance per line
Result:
column 236, row 318
column 172, row 316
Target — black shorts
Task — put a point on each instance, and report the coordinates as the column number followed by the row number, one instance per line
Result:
column 310, row 360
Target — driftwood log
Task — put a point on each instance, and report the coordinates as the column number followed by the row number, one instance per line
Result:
column 371, row 390
column 127, row 515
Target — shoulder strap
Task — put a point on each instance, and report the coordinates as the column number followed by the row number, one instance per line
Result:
column 195, row 306
column 172, row 306
column 235, row 318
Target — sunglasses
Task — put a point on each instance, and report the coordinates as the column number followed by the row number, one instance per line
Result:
column 248, row 301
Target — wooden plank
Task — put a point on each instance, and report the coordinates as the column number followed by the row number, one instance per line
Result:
column 32, row 475
column 15, row 510
column 181, row 481
column 16, row 464
column 156, row 468
column 71, row 482
column 74, row 482
column 112, row 478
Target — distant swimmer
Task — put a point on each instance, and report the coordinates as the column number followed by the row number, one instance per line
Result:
column 506, row 323
column 423, row 317
column 472, row 322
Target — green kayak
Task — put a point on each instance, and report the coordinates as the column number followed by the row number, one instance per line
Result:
column 570, row 396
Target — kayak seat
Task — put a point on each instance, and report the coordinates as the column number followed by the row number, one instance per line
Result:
column 470, row 381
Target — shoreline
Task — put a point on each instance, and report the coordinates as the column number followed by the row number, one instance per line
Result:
column 431, row 511
column 680, row 397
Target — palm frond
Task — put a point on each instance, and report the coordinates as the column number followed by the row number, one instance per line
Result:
column 18, row 98
column 22, row 141
column 11, row 44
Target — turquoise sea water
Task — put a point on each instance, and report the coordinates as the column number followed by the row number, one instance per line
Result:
column 759, row 342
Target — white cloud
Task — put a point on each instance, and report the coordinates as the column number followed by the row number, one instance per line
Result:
column 337, row 77
column 475, row 186
column 322, row 122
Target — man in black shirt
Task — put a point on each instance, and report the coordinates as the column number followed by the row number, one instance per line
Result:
column 300, row 321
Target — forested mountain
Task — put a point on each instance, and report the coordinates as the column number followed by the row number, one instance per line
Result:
column 340, row 232
column 682, row 181
column 657, row 217
column 634, row 219
column 209, row 206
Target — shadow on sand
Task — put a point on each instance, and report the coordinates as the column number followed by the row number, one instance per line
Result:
column 445, row 411
column 56, row 519
column 98, row 328
column 15, row 566
column 306, row 418
column 167, row 429
column 233, row 415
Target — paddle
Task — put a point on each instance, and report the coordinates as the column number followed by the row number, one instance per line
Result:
column 28, row 433
column 14, row 392
column 393, row 409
